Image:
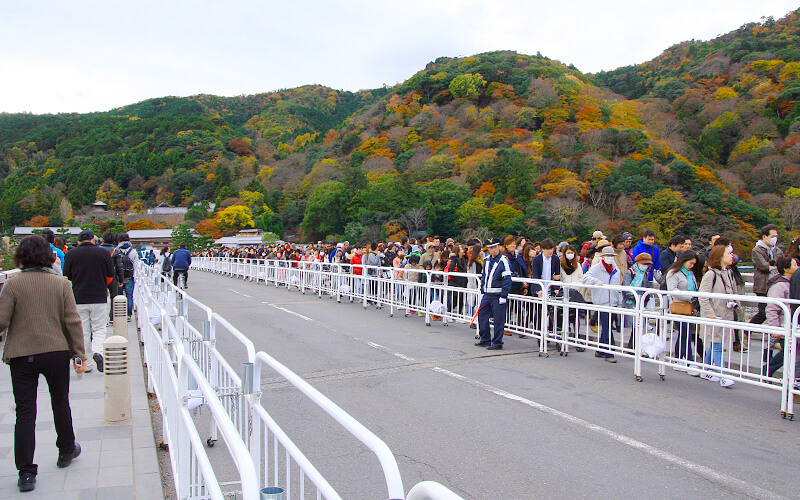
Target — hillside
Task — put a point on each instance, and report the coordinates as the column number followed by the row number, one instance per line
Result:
column 702, row 139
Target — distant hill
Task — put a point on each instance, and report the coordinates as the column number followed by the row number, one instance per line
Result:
column 705, row 138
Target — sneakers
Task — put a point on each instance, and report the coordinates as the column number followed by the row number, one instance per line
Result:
column 726, row 382
column 692, row 370
column 98, row 361
column 679, row 368
column 611, row 359
column 593, row 327
column 711, row 378
column 64, row 459
column 27, row 481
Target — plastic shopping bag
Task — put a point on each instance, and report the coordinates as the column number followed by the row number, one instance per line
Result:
column 652, row 345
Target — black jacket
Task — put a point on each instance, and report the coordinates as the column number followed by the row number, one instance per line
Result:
column 87, row 266
column 119, row 269
column 537, row 269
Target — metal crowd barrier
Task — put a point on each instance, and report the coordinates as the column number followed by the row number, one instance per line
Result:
column 558, row 317
column 273, row 455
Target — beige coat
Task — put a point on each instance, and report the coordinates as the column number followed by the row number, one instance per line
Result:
column 717, row 281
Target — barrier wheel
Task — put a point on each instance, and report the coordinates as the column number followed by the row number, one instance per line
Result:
column 560, row 353
column 427, row 324
column 477, row 336
column 791, row 417
column 211, row 442
column 445, row 324
column 783, row 415
column 580, row 349
column 566, row 354
column 639, row 378
column 391, row 315
column 663, row 377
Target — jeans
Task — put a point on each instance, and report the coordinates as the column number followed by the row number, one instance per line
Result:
column 683, row 344
column 25, row 372
column 605, row 332
column 714, row 355
column 128, row 286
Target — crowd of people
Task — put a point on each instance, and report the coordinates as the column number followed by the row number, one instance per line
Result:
column 633, row 265
column 57, row 310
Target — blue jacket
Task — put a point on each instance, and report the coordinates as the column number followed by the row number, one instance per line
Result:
column 537, row 269
column 496, row 276
column 654, row 253
column 181, row 259
column 59, row 253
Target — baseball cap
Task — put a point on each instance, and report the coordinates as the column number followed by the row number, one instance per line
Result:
column 598, row 235
column 85, row 235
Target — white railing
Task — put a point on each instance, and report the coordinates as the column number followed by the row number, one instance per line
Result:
column 169, row 369
column 557, row 317
column 239, row 397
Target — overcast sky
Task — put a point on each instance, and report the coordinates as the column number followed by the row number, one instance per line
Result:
column 81, row 55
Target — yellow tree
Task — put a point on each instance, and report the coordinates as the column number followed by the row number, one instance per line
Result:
column 234, row 218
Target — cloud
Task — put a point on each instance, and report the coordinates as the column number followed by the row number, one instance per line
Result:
column 87, row 55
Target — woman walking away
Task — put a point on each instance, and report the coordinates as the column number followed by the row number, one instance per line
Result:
column 718, row 279
column 44, row 334
column 680, row 278
column 777, row 288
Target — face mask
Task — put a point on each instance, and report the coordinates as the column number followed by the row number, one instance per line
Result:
column 773, row 241
column 608, row 260
column 570, row 256
column 642, row 268
column 730, row 249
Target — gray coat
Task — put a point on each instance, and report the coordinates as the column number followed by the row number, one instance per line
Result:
column 597, row 275
column 762, row 255
column 722, row 282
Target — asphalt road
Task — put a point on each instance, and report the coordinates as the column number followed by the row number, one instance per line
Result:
column 499, row 424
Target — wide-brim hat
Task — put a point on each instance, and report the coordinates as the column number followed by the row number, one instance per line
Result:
column 644, row 258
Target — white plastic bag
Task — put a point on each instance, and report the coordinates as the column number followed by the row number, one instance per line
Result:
column 437, row 308
column 652, row 345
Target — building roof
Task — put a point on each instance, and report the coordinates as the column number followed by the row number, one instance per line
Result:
column 238, row 240
column 26, row 230
column 153, row 234
column 99, row 203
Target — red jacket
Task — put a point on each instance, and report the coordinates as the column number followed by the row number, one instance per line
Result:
column 356, row 260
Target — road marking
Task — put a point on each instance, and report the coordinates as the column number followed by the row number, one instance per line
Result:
column 389, row 351
column 701, row 470
column 289, row 312
column 240, row 293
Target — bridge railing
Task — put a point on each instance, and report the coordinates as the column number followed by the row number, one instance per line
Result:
column 274, row 455
column 562, row 317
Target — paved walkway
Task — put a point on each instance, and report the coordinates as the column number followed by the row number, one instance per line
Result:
column 118, row 462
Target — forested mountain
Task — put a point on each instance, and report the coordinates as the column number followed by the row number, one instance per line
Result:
column 705, row 138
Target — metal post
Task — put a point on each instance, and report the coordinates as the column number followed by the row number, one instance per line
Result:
column 247, row 378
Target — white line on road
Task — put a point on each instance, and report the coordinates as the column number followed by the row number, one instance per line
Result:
column 701, row 470
column 389, row 351
column 289, row 312
column 240, row 293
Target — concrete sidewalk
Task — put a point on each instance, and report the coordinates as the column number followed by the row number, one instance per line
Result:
column 117, row 462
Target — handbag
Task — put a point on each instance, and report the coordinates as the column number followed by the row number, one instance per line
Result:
column 681, row 308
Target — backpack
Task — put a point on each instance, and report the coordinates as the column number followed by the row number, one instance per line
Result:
column 127, row 264
column 167, row 265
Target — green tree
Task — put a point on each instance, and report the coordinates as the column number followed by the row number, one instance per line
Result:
column 324, row 212
column 467, row 86
column 182, row 234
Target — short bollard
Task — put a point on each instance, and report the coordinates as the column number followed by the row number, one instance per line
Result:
column 272, row 493
column 117, row 380
column 120, row 305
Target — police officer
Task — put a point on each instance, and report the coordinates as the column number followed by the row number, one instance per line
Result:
column 495, row 285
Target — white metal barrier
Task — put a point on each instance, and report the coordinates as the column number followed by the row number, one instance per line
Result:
column 559, row 317
column 239, row 398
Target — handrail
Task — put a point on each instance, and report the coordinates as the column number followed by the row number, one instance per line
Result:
column 430, row 490
column 388, row 463
column 239, row 452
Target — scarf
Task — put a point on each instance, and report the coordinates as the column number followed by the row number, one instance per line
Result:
column 638, row 276
column 40, row 270
column 692, row 286
column 568, row 266
column 609, row 267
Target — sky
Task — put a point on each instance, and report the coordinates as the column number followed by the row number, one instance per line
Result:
column 83, row 56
